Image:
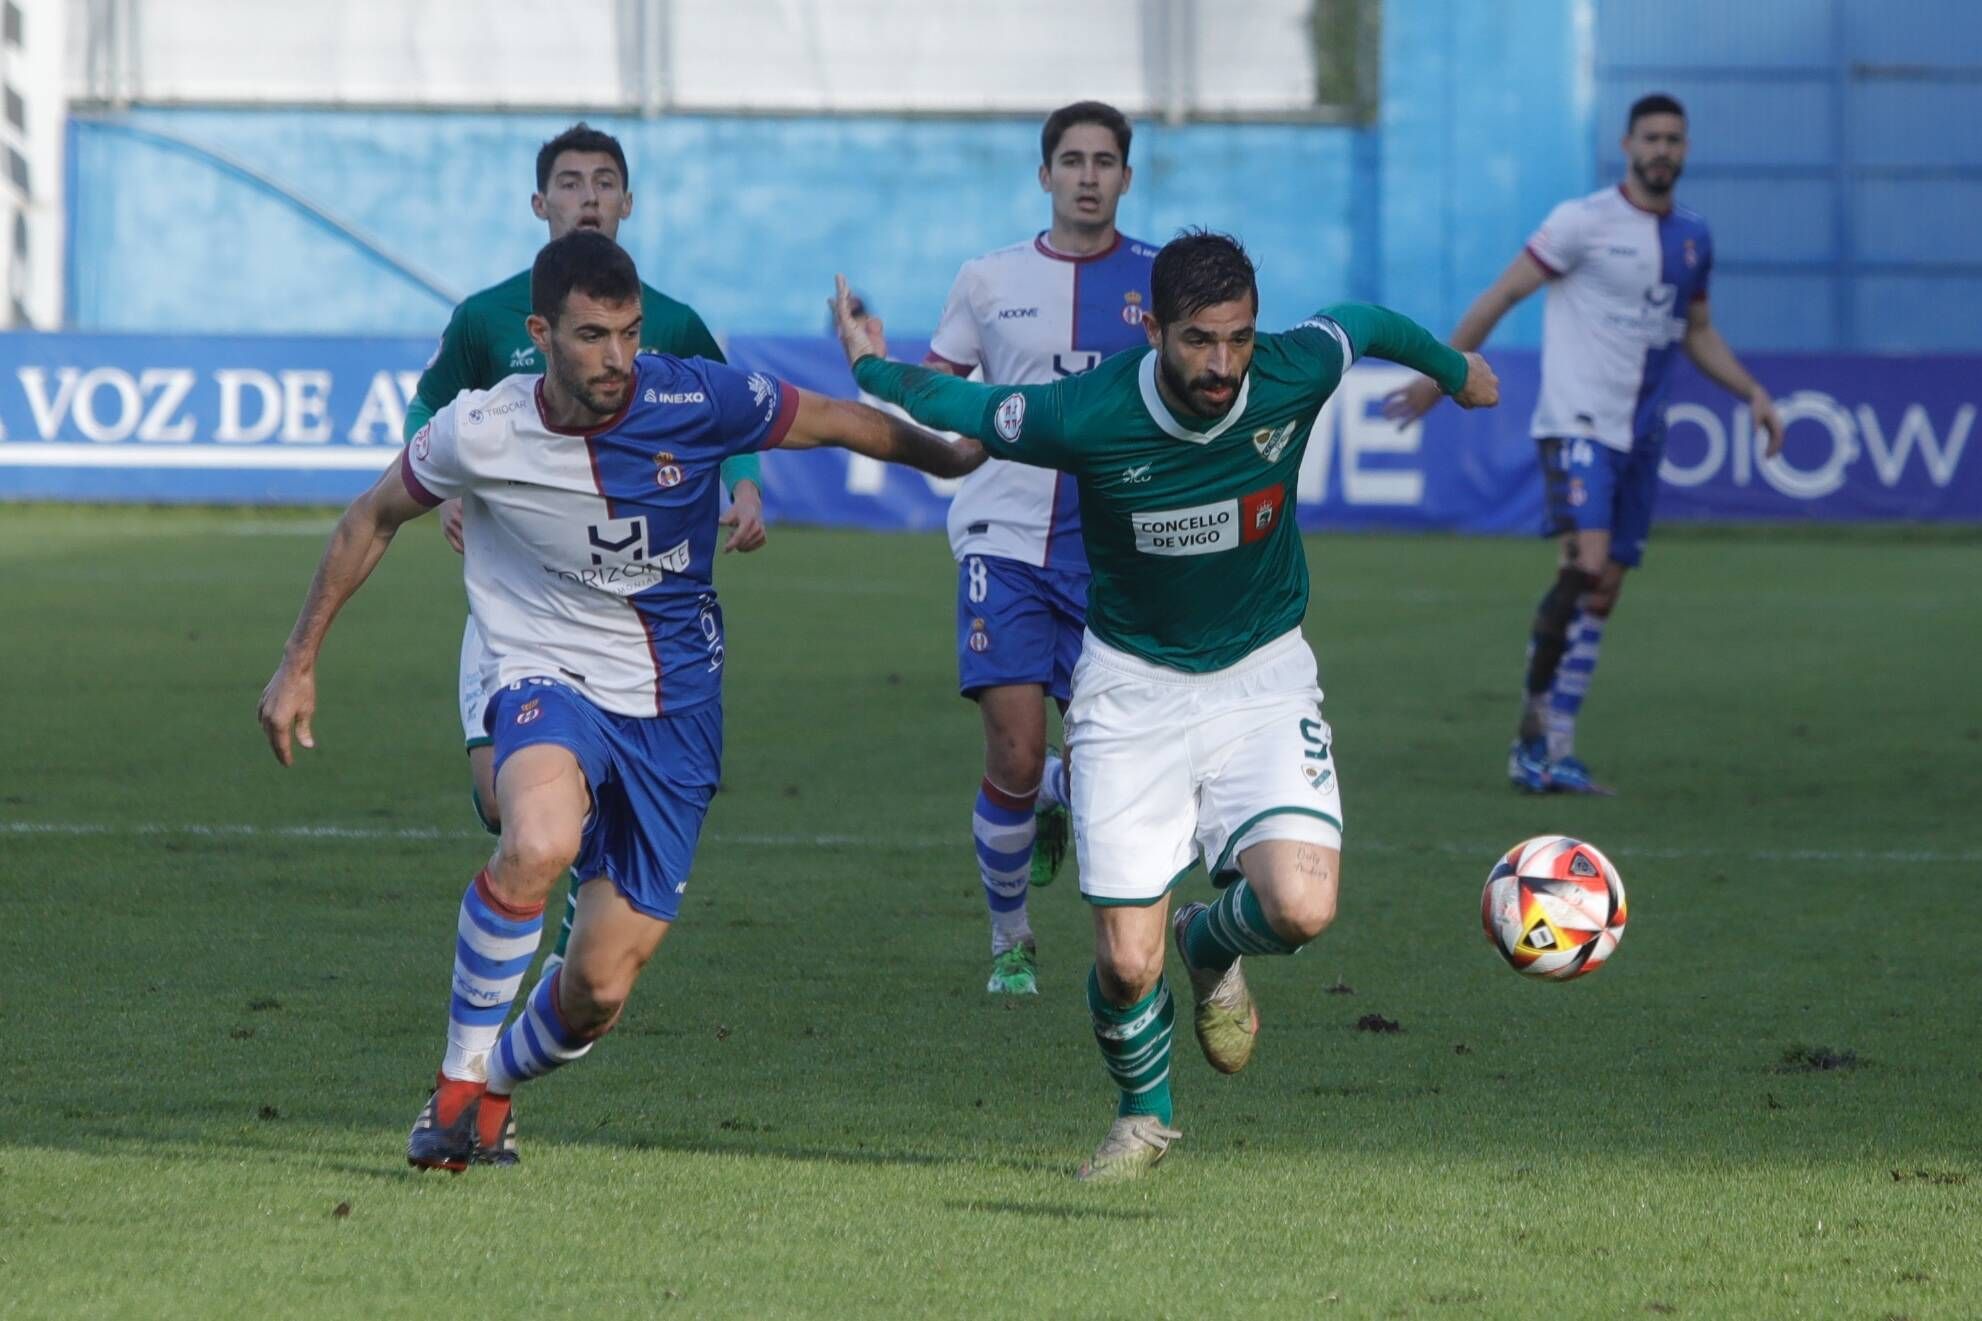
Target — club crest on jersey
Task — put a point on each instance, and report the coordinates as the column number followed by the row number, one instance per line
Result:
column 1132, row 308
column 1272, row 442
column 980, row 640
column 667, row 473
column 1692, row 255
column 423, row 441
column 1010, row 419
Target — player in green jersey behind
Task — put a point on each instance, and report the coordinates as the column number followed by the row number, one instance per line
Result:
column 1196, row 725
column 582, row 183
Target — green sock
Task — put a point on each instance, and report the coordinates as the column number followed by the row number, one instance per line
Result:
column 1232, row 926
column 570, row 911
column 1135, row 1045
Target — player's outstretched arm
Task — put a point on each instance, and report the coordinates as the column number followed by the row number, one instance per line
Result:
column 1522, row 277
column 1378, row 332
column 360, row 540
column 1711, row 354
column 822, row 420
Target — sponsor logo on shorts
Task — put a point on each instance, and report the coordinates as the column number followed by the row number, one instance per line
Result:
column 1010, row 418
column 667, row 472
column 979, row 640
column 529, row 711
column 1578, row 494
column 1017, row 313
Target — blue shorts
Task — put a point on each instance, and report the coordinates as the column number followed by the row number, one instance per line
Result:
column 1588, row 486
column 1018, row 624
column 651, row 780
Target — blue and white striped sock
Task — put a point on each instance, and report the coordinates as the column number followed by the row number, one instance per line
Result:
column 1055, row 790
column 1002, row 827
column 1572, row 682
column 537, row 1042
column 493, row 945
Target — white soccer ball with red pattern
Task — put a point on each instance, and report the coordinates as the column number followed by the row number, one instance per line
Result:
column 1553, row 907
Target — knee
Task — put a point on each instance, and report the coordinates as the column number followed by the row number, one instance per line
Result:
column 1014, row 764
column 590, row 1002
column 534, row 854
column 1127, row 975
column 1303, row 917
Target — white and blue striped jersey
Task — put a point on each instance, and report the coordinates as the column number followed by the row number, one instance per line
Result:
column 588, row 554
column 1027, row 315
column 1622, row 279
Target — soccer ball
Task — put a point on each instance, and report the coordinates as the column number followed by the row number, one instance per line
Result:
column 1553, row 907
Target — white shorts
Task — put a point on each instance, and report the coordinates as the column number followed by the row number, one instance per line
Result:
column 474, row 695
column 1169, row 765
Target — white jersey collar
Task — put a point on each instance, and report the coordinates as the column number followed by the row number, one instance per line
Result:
column 1160, row 414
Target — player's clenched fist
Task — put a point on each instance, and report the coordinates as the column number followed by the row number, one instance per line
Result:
column 1482, row 388
column 290, row 699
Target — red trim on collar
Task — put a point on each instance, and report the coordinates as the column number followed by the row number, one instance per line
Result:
column 1646, row 209
column 1039, row 243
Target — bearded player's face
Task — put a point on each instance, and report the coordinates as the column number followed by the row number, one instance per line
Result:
column 1087, row 177
column 589, row 352
column 1656, row 148
column 1203, row 357
column 585, row 191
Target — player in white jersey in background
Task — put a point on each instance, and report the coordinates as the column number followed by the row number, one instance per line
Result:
column 1027, row 314
column 1627, row 272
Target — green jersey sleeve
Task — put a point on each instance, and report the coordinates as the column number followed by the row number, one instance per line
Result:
column 1020, row 423
column 697, row 342
column 451, row 370
column 1368, row 331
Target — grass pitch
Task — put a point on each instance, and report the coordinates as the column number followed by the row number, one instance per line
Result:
column 224, row 985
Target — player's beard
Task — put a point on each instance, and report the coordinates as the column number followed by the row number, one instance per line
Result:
column 591, row 393
column 1191, row 389
column 1655, row 187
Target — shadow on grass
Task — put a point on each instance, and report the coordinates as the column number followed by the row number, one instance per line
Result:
column 1054, row 1210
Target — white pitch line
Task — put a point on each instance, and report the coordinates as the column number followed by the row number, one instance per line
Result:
column 796, row 840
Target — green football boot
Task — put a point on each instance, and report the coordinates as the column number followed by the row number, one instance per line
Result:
column 1049, row 846
column 1015, row 972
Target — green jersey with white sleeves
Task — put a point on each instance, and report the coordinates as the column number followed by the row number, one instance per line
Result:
column 1188, row 522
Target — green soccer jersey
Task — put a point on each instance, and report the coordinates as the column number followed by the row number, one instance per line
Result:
column 1189, row 522
column 486, row 340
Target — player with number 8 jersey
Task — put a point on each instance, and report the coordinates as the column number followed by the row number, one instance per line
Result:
column 1027, row 314
column 1195, row 729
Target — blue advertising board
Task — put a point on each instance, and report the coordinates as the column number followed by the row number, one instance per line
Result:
column 267, row 420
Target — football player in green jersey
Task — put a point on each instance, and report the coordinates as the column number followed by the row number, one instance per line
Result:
column 1195, row 727
column 582, row 183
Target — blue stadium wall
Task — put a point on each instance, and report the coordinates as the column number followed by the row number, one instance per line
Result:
column 1836, row 152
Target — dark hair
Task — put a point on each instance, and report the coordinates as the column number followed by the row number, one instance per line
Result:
column 1084, row 112
column 1198, row 269
column 580, row 137
column 584, row 260
column 1658, row 103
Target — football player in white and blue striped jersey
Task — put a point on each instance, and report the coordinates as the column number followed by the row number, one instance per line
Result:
column 1050, row 306
column 589, row 511
column 1626, row 270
